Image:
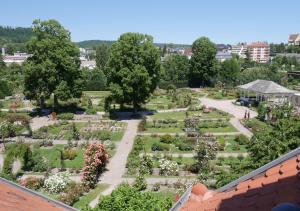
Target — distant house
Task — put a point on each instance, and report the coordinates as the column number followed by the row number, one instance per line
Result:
column 294, row 39
column 17, row 58
column 259, row 52
column 188, row 52
column 223, row 56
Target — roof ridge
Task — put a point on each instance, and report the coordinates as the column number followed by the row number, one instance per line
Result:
column 260, row 170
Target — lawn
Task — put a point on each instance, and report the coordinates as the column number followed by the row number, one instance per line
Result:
column 221, row 94
column 231, row 145
column 164, row 130
column 96, row 94
column 255, row 124
column 53, row 155
column 90, row 196
column 181, row 115
column 180, row 161
column 227, row 129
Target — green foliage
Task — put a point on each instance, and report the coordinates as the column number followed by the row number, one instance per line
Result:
column 21, row 151
column 259, row 72
column 204, row 152
column 167, row 139
column 140, row 183
column 102, row 56
column 230, row 70
column 203, row 67
column 175, row 68
column 134, row 68
column 54, row 65
column 16, row 35
column 95, row 80
column 5, row 90
column 65, row 116
column 126, row 198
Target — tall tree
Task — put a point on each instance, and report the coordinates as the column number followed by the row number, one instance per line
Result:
column 2, row 63
column 102, row 56
column 54, row 65
column 134, row 68
column 203, row 62
column 230, row 70
column 176, row 68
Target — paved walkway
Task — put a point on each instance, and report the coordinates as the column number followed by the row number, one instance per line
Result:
column 117, row 165
column 237, row 112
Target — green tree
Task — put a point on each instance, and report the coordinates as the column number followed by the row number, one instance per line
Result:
column 54, row 65
column 95, row 80
column 102, row 56
column 2, row 63
column 134, row 68
column 176, row 68
column 203, row 62
column 230, row 70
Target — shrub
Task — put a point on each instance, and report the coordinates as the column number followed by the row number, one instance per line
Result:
column 146, row 165
column 185, row 147
column 140, row 183
column 40, row 165
column 56, row 183
column 65, row 116
column 160, row 147
column 241, row 139
column 72, row 193
column 168, row 168
column 95, row 159
column 69, row 154
column 33, row 183
column 156, row 187
column 168, row 139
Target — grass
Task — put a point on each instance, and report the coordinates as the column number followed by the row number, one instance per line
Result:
column 229, row 128
column 96, row 94
column 90, row 196
column 164, row 130
column 182, row 115
column 53, row 155
column 231, row 144
column 255, row 124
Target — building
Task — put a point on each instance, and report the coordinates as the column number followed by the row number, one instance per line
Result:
column 223, row 56
column 240, row 50
column 188, row 52
column 16, row 197
column 223, row 47
column 294, row 39
column 259, row 52
column 88, row 64
column 17, row 58
column 274, row 186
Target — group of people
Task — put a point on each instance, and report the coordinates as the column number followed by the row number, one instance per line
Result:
column 247, row 114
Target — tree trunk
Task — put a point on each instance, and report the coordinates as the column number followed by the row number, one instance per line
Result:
column 42, row 102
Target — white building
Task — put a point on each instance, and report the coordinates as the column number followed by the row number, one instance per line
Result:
column 294, row 39
column 240, row 49
column 17, row 58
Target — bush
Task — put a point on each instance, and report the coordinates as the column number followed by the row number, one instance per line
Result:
column 241, row 139
column 168, row 167
column 168, row 139
column 40, row 165
column 72, row 193
column 160, row 147
column 140, row 183
column 65, row 116
column 56, row 183
column 32, row 183
column 69, row 154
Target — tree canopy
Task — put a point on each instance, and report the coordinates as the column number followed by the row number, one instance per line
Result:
column 54, row 65
column 102, row 56
column 230, row 70
column 134, row 68
column 203, row 62
column 176, row 68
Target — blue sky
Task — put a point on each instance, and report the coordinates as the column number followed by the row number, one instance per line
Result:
column 171, row 21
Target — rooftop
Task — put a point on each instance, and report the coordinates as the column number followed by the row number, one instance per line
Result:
column 269, row 186
column 265, row 87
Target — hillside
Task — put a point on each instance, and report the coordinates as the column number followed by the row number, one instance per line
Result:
column 15, row 35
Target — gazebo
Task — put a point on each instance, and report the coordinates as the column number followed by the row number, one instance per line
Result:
column 266, row 91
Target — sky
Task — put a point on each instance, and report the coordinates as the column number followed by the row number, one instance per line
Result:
column 168, row 21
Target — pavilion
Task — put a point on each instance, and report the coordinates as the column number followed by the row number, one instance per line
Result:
column 266, row 91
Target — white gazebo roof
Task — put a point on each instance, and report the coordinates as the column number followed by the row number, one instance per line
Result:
column 265, row 87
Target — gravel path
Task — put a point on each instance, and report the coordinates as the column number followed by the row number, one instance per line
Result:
column 1, row 161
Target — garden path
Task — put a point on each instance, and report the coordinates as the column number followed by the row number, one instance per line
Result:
column 116, row 167
column 1, row 161
column 181, row 134
column 238, row 112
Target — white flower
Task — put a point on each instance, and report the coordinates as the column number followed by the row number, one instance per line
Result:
column 56, row 183
column 168, row 167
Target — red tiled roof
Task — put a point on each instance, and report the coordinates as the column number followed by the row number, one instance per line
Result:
column 279, row 184
column 16, row 198
column 258, row 44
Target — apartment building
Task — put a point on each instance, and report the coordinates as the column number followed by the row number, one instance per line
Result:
column 259, row 52
column 294, row 39
column 240, row 49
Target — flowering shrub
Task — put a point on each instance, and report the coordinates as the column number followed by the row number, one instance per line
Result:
column 168, row 167
column 95, row 159
column 56, row 183
column 33, row 183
